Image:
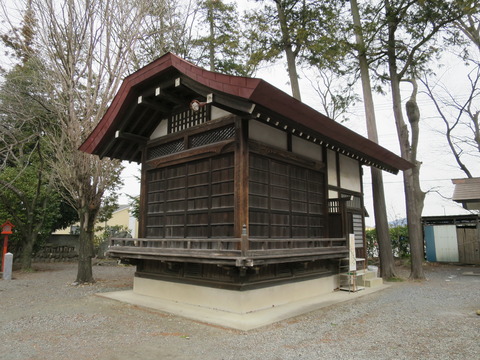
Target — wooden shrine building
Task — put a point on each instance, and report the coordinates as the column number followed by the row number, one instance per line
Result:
column 244, row 189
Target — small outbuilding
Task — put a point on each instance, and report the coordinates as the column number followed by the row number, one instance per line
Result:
column 248, row 196
column 452, row 238
column 467, row 192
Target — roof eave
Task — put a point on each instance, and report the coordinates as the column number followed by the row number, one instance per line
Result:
column 255, row 91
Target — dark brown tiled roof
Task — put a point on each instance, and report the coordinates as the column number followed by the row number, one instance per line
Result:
column 267, row 99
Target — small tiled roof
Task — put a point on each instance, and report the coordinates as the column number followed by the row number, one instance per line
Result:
column 265, row 98
column 121, row 208
column 466, row 190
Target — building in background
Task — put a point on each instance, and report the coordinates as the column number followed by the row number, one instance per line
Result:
column 122, row 217
column 452, row 238
column 467, row 192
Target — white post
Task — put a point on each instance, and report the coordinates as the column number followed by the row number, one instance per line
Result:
column 352, row 262
column 7, row 269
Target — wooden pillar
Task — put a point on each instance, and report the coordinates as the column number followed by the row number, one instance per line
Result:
column 142, row 221
column 241, row 177
column 363, row 252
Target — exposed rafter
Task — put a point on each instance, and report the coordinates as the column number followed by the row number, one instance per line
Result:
column 153, row 104
column 131, row 137
column 236, row 105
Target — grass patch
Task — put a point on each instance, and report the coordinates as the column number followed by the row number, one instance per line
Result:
column 394, row 279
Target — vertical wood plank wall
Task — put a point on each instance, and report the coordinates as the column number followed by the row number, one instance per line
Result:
column 193, row 199
column 286, row 200
column 269, row 190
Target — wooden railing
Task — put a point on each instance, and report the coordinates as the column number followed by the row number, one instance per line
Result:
column 239, row 251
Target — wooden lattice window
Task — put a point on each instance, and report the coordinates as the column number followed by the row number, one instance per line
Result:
column 188, row 118
column 165, row 149
column 205, row 138
column 210, row 137
column 191, row 200
column 285, row 200
column 334, row 206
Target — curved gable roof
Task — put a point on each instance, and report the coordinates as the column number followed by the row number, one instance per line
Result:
column 266, row 99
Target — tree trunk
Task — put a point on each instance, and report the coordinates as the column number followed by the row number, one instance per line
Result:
column 85, row 251
column 292, row 73
column 289, row 53
column 212, row 43
column 387, row 261
column 387, row 264
column 414, row 196
column 27, row 250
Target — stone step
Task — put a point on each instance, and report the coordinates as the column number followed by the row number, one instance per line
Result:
column 367, row 275
column 371, row 282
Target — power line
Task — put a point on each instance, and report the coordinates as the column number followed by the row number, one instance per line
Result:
column 401, row 181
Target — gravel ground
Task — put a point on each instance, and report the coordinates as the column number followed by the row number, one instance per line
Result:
column 45, row 317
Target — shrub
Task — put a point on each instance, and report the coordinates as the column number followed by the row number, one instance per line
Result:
column 398, row 238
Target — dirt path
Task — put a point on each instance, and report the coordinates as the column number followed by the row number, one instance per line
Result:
column 45, row 317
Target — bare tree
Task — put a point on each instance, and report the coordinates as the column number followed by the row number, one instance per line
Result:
column 460, row 113
column 461, row 120
column 335, row 94
column 86, row 47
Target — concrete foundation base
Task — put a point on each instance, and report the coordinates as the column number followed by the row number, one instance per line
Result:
column 238, row 302
column 242, row 310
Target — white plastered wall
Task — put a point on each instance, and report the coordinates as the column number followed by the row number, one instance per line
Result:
column 267, row 135
column 306, row 148
column 217, row 113
column 161, row 130
column 332, row 168
column 349, row 171
column 350, row 177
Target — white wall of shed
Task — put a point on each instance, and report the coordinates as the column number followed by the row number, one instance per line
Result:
column 446, row 245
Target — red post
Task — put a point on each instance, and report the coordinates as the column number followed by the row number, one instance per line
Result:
column 6, row 230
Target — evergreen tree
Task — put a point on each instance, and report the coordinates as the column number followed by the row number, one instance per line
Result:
column 295, row 29
column 167, row 27
column 26, row 181
column 221, row 47
column 86, row 49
